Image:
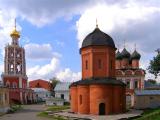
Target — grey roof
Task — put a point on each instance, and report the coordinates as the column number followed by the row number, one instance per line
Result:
column 147, row 92
column 118, row 55
column 62, row 86
column 96, row 38
column 39, row 90
column 135, row 55
column 125, row 53
column 99, row 81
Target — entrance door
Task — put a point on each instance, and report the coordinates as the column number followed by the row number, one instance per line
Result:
column 101, row 109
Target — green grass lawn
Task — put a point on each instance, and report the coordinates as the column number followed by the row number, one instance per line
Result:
column 150, row 114
column 54, row 109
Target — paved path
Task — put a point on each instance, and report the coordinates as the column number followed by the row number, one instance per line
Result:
column 131, row 113
column 29, row 112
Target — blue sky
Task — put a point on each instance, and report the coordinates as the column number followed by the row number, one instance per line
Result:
column 61, row 35
column 52, row 31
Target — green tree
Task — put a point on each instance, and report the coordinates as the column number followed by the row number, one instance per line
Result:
column 54, row 81
column 152, row 81
column 154, row 67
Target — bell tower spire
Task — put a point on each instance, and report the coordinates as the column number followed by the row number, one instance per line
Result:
column 96, row 23
column 15, row 35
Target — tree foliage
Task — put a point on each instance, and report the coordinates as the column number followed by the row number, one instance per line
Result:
column 154, row 67
column 54, row 81
column 152, row 81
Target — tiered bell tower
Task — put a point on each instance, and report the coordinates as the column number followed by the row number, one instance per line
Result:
column 14, row 75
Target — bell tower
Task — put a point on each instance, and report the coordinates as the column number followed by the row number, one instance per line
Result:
column 14, row 75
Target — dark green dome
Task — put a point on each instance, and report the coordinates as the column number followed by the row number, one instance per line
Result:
column 125, row 53
column 118, row 55
column 135, row 55
column 98, row 38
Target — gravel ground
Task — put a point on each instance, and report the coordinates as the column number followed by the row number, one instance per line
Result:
column 29, row 112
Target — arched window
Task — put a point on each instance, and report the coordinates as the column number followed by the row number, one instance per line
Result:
column 128, row 84
column 111, row 66
column 14, row 85
column 18, row 68
column 70, row 97
column 99, row 64
column 86, row 64
column 7, row 84
column 136, row 84
column 11, row 67
column 80, row 99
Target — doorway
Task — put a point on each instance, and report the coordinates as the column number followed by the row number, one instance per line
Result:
column 102, row 109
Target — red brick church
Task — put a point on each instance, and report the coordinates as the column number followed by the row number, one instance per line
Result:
column 99, row 92
column 128, row 70
column 14, row 76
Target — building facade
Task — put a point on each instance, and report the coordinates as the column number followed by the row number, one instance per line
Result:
column 127, row 70
column 4, row 100
column 61, row 96
column 39, row 83
column 99, row 92
column 14, row 76
column 147, row 99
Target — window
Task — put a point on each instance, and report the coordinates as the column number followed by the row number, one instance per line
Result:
column 86, row 64
column 1, row 97
column 128, row 84
column 99, row 64
column 7, row 84
column 80, row 99
column 14, row 85
column 18, row 68
column 111, row 64
column 136, row 84
column 70, row 97
column 62, row 96
column 6, row 96
column 151, row 98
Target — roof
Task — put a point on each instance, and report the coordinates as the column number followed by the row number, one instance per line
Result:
column 38, row 80
column 62, row 86
column 118, row 55
column 39, row 90
column 98, row 38
column 148, row 85
column 103, row 81
column 147, row 92
column 135, row 55
column 125, row 53
column 15, row 33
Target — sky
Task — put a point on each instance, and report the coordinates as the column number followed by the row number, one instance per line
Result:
column 52, row 31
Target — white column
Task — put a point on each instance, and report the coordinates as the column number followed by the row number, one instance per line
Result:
column 14, row 66
column 20, row 82
column 131, row 84
column 21, row 97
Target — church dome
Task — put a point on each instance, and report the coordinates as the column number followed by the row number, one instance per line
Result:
column 15, row 33
column 135, row 55
column 118, row 55
column 125, row 53
column 98, row 38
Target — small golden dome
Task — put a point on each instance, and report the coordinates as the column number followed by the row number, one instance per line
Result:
column 15, row 33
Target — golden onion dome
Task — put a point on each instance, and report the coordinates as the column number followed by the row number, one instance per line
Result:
column 15, row 33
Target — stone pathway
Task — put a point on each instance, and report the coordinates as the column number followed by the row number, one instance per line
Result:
column 29, row 112
column 131, row 113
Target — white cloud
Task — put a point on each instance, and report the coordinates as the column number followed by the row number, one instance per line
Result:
column 68, row 75
column 42, row 12
column 112, row 16
column 53, row 69
column 40, row 51
column 46, row 71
